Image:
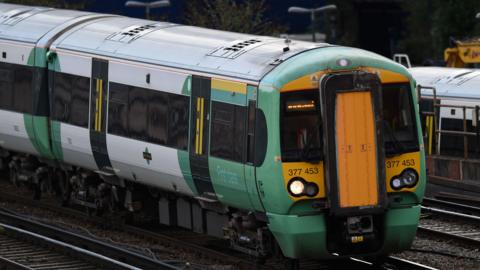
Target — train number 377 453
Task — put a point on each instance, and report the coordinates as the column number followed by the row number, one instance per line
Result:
column 397, row 163
column 300, row 171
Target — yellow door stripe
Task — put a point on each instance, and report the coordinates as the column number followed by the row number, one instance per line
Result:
column 96, row 106
column 201, row 125
column 430, row 133
column 230, row 86
column 100, row 105
column 197, row 129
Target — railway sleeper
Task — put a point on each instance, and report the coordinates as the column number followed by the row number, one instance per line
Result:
column 245, row 231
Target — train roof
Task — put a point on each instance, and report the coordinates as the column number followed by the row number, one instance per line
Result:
column 243, row 56
column 449, row 82
column 30, row 24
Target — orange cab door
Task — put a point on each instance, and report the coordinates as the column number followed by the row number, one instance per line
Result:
column 354, row 156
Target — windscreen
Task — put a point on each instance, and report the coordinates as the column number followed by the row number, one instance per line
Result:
column 300, row 126
column 399, row 127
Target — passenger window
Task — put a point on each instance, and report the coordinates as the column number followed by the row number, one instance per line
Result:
column 148, row 115
column 239, row 133
column 22, row 90
column 251, row 131
column 118, row 110
column 70, row 99
column 178, row 113
column 79, row 102
column 137, row 113
column 62, row 96
column 157, row 118
column 6, row 87
column 228, row 131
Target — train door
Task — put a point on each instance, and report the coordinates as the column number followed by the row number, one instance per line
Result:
column 98, row 116
column 250, row 165
column 199, row 132
column 354, row 156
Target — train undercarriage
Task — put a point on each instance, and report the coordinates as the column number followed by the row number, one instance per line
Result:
column 98, row 195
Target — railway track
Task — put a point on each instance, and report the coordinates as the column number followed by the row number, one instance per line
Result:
column 202, row 245
column 459, row 198
column 21, row 249
column 186, row 241
column 451, row 221
column 395, row 263
column 65, row 241
column 452, row 206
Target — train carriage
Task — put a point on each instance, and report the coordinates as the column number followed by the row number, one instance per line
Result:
column 314, row 148
column 450, row 105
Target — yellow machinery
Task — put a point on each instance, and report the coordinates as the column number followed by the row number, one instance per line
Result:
column 463, row 54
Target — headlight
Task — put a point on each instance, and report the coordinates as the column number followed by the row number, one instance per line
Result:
column 408, row 178
column 311, row 190
column 296, row 187
column 396, row 183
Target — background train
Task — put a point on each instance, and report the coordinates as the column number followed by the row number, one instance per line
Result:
column 450, row 109
column 313, row 148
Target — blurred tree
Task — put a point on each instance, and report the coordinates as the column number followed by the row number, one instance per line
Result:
column 433, row 23
column 228, row 15
column 80, row 4
column 345, row 23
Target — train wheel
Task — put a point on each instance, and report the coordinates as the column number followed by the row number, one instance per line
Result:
column 292, row 264
column 3, row 165
column 14, row 176
column 378, row 262
column 104, row 200
column 37, row 190
column 63, row 188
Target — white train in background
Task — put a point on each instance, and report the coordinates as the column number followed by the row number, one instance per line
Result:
column 451, row 127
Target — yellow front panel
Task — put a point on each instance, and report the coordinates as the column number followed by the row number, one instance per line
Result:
column 309, row 172
column 395, row 165
column 356, row 151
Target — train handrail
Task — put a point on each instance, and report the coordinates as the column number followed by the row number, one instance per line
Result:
column 432, row 122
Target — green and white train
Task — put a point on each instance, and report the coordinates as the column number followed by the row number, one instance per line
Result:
column 312, row 148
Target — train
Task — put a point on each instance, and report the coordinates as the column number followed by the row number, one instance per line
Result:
column 449, row 109
column 282, row 147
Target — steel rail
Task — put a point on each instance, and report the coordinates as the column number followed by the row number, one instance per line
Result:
column 466, row 217
column 107, row 250
column 446, row 230
column 165, row 239
column 14, row 256
column 464, row 208
column 400, row 263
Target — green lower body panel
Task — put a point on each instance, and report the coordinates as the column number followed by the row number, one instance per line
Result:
column 56, row 140
column 300, row 236
column 38, row 132
column 184, row 161
column 305, row 236
column 401, row 228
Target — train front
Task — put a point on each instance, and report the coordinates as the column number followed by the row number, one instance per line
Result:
column 344, row 171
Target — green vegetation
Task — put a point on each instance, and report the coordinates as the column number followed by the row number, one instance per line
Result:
column 228, row 15
column 431, row 25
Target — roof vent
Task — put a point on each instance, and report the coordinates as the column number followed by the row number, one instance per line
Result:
column 236, row 48
column 134, row 32
column 15, row 16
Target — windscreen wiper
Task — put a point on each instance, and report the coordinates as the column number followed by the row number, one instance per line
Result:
column 398, row 147
column 307, row 149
